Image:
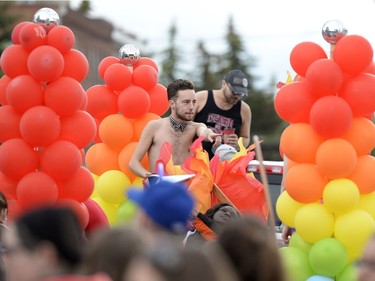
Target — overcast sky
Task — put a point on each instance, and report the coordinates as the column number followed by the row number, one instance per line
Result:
column 269, row 28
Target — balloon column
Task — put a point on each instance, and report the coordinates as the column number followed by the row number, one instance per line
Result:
column 330, row 184
column 130, row 98
column 43, row 123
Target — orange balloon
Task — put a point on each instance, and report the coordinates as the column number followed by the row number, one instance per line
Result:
column 141, row 122
column 361, row 135
column 299, row 142
column 116, row 131
column 117, row 77
column 363, row 175
column 124, row 158
column 62, row 38
column 100, row 158
column 158, row 100
column 304, row 183
column 336, row 158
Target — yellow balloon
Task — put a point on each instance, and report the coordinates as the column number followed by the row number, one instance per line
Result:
column 94, row 192
column 340, row 195
column 367, row 203
column 353, row 229
column 286, row 208
column 112, row 185
column 138, row 182
column 109, row 209
column 314, row 222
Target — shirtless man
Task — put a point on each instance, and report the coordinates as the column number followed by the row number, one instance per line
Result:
column 177, row 129
column 223, row 108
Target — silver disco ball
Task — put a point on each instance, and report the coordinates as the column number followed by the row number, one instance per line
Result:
column 47, row 18
column 333, row 31
column 129, row 54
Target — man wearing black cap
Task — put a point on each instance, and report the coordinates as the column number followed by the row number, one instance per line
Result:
column 223, row 109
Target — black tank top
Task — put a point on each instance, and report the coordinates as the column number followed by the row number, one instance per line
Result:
column 218, row 119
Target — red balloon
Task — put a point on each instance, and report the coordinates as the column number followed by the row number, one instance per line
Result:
column 158, row 100
column 61, row 160
column 45, row 63
column 78, row 128
column 353, row 53
column 40, row 126
column 359, row 92
column 105, row 63
column 324, row 77
column 117, row 77
column 24, row 92
column 13, row 61
column 293, row 102
column 36, row 189
column 9, row 123
column 101, row 101
column 76, row 65
column 78, row 208
column 31, row 36
column 146, row 61
column 64, row 95
column 331, row 116
column 133, row 102
column 8, row 187
column 304, row 54
column 145, row 76
column 62, row 38
column 4, row 82
column 17, row 158
column 79, row 186
column 16, row 31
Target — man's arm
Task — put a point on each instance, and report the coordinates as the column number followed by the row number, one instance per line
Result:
column 246, row 124
column 208, row 134
column 142, row 148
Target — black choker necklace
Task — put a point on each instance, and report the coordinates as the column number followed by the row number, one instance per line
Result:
column 177, row 126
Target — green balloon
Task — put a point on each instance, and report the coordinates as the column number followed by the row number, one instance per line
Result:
column 126, row 212
column 348, row 274
column 296, row 241
column 296, row 264
column 328, row 257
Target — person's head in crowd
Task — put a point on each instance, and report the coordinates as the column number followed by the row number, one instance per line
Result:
column 164, row 207
column 252, row 248
column 221, row 213
column 42, row 243
column 366, row 264
column 3, row 209
column 110, row 250
column 167, row 262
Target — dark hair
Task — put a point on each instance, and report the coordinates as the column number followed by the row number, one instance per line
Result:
column 3, row 201
column 211, row 211
column 252, row 248
column 57, row 225
column 177, row 85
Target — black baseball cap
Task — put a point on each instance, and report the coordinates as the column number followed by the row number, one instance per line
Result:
column 238, row 81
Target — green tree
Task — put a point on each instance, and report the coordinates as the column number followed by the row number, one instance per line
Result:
column 171, row 57
column 7, row 21
column 84, row 7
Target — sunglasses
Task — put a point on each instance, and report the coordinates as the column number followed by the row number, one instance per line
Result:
column 236, row 94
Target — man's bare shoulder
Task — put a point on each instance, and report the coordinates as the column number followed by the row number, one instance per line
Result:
column 245, row 106
column 155, row 124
